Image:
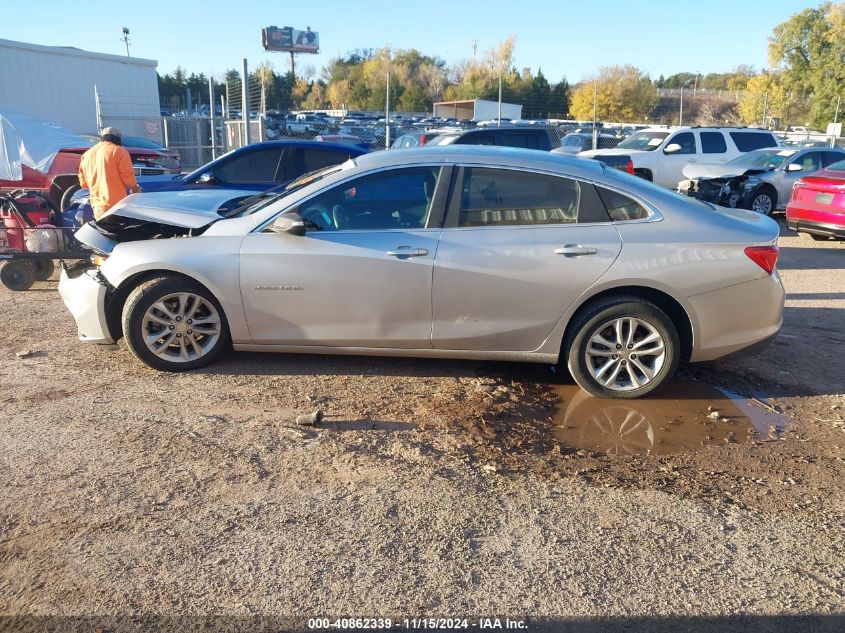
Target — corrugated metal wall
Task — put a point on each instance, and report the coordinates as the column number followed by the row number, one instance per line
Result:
column 57, row 84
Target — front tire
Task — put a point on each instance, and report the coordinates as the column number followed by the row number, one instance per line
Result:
column 763, row 202
column 172, row 323
column 622, row 347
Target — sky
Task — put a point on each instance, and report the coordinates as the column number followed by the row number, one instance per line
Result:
column 564, row 38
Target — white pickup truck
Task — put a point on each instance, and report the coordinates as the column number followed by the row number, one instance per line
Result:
column 659, row 154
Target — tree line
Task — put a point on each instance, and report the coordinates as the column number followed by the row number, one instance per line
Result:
column 801, row 85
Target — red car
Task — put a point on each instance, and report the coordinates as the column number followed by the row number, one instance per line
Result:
column 817, row 205
column 61, row 181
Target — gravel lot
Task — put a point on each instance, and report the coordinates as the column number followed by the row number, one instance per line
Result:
column 129, row 498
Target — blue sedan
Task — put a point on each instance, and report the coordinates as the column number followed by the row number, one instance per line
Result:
column 259, row 166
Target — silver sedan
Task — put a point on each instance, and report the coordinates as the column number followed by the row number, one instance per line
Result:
column 452, row 252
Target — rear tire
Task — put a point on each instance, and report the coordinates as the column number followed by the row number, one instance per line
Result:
column 172, row 323
column 43, row 269
column 17, row 275
column 622, row 347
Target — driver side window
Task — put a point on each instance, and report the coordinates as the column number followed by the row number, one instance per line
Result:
column 393, row 199
column 686, row 140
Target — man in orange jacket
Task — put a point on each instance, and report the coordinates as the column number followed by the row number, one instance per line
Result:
column 106, row 172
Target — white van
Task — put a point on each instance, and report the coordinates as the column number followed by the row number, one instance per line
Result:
column 660, row 154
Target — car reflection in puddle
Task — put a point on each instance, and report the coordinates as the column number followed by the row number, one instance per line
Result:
column 680, row 417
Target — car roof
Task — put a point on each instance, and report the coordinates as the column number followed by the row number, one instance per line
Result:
column 321, row 145
column 482, row 154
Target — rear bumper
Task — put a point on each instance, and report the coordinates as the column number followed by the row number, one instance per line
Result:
column 816, row 228
column 737, row 320
column 85, row 297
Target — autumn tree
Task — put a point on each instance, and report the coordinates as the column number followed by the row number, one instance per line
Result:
column 809, row 49
column 624, row 93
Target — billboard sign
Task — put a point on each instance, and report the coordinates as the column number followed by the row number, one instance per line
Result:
column 290, row 40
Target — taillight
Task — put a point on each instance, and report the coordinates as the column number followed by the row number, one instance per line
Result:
column 766, row 257
column 423, row 139
column 630, row 167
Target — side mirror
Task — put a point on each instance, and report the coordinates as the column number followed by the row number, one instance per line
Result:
column 207, row 179
column 290, row 223
column 672, row 148
column 794, row 167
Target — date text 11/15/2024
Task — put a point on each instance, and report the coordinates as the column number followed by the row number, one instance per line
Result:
column 413, row 624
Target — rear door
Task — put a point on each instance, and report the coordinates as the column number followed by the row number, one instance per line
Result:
column 517, row 249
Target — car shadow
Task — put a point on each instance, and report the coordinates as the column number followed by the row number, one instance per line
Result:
column 793, row 258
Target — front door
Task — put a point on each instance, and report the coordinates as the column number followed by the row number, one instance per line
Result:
column 670, row 165
column 359, row 277
column 518, row 248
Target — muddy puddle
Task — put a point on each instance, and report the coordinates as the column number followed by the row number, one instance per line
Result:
column 680, row 418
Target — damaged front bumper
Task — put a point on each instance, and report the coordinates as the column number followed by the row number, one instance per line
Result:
column 84, row 292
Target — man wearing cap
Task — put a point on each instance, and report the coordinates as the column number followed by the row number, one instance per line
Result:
column 106, row 172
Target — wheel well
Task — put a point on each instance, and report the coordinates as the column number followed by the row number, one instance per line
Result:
column 117, row 299
column 59, row 186
column 644, row 173
column 665, row 302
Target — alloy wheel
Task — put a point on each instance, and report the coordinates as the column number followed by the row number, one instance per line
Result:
column 624, row 354
column 181, row 327
column 762, row 204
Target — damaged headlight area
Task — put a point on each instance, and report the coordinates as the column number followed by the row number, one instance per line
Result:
column 721, row 191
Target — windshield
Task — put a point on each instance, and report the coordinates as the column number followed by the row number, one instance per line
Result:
column 265, row 198
column 762, row 159
column 645, row 141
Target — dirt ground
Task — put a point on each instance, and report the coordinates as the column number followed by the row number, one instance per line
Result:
column 138, row 500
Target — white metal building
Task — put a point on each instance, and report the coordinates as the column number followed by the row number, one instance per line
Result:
column 58, row 83
column 477, row 110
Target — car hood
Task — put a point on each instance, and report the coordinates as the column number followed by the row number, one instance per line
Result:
column 146, row 216
column 190, row 209
column 717, row 170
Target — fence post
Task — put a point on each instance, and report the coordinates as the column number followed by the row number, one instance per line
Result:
column 211, row 112
column 97, row 110
column 245, row 102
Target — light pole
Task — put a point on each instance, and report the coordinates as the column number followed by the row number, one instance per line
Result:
column 125, row 39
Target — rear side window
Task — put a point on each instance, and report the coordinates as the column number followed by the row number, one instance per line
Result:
column 832, row 157
column 748, row 141
column 621, row 208
column 501, row 197
column 528, row 141
column 713, row 143
column 484, row 138
column 251, row 166
column 304, row 161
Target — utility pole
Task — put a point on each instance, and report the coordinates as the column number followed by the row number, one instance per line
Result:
column 681, row 111
column 765, row 108
column 211, row 113
column 125, row 39
column 474, row 50
column 835, row 121
column 245, row 102
column 595, row 114
column 387, row 112
column 499, row 122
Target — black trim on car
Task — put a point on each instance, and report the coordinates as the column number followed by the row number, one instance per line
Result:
column 816, row 228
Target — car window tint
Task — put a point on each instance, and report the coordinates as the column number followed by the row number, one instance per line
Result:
column 713, row 143
column 394, row 199
column 501, row 197
column 486, row 138
column 831, row 157
column 529, row 141
column 686, row 140
column 304, row 161
column 252, row 166
column 748, row 141
column 621, row 208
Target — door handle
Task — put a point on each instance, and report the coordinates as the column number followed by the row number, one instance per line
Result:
column 404, row 252
column 574, row 250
